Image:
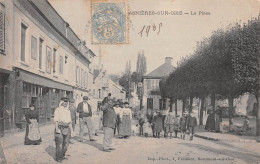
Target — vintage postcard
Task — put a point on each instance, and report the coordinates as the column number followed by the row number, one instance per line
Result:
column 129, row 81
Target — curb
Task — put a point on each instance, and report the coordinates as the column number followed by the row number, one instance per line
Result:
column 216, row 139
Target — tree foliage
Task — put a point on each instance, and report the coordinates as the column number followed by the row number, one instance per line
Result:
column 224, row 63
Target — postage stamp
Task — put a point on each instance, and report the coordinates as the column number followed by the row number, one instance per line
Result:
column 109, row 22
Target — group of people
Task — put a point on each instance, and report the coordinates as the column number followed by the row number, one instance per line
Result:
column 168, row 123
column 215, row 122
column 117, row 117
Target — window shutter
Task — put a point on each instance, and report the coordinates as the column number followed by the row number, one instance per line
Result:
column 2, row 31
column 33, row 48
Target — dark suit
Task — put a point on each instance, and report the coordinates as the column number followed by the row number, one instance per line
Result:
column 109, row 121
column 85, row 119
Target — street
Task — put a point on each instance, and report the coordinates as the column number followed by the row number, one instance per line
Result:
column 136, row 149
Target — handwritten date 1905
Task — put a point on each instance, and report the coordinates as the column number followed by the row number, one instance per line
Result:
column 153, row 27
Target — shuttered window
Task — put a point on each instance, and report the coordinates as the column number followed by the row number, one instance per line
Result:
column 54, row 60
column 48, row 59
column 23, row 35
column 40, row 53
column 148, row 84
column 77, row 74
column 61, row 65
column 82, row 77
column 33, row 48
column 86, row 79
column 2, row 31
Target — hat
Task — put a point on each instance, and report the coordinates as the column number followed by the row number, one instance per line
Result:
column 177, row 115
column 126, row 102
column 72, row 100
column 109, row 94
column 157, row 111
column 117, row 103
column 85, row 98
column 185, row 112
column 65, row 99
column 31, row 105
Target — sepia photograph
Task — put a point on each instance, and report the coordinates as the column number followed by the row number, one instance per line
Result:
column 130, row 81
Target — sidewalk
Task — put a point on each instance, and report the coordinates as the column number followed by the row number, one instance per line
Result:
column 226, row 136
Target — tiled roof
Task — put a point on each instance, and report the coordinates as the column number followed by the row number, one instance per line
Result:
column 58, row 22
column 49, row 12
column 96, row 73
column 163, row 70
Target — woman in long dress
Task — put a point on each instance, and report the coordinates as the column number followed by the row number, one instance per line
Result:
column 32, row 135
column 125, row 124
column 158, row 123
column 210, row 124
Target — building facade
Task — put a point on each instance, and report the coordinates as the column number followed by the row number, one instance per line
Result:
column 42, row 60
column 102, row 85
column 151, row 91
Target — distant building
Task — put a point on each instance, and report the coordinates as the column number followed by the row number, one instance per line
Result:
column 151, row 95
column 102, row 85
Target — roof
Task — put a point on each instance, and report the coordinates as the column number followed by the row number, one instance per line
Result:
column 58, row 23
column 162, row 71
column 96, row 73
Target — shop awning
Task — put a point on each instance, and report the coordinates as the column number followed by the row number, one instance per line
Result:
column 38, row 80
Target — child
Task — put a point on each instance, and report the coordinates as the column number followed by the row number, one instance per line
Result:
column 134, row 129
column 176, row 124
column 168, row 122
column 245, row 128
column 158, row 123
column 183, row 124
column 146, row 127
column 191, row 124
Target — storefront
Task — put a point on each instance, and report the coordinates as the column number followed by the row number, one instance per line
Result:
column 5, row 107
column 44, row 93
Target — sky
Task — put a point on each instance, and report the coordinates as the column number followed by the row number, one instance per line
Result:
column 178, row 34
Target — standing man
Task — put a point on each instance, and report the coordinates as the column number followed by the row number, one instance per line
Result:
column 85, row 114
column 109, row 121
column 63, row 129
column 105, row 100
column 73, row 113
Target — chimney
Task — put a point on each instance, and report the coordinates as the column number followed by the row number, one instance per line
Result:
column 168, row 60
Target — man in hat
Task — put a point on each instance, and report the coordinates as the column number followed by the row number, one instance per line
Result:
column 109, row 121
column 72, row 113
column 63, row 129
column 85, row 114
column 105, row 100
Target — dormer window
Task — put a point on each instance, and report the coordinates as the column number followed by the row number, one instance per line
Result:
column 66, row 29
column 66, row 59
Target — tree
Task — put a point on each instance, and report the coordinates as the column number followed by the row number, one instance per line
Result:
column 124, row 82
column 226, row 64
column 140, row 66
column 114, row 77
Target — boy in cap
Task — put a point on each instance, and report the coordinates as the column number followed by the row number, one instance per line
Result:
column 183, row 124
column 85, row 114
column 191, row 124
column 176, row 124
column 168, row 123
